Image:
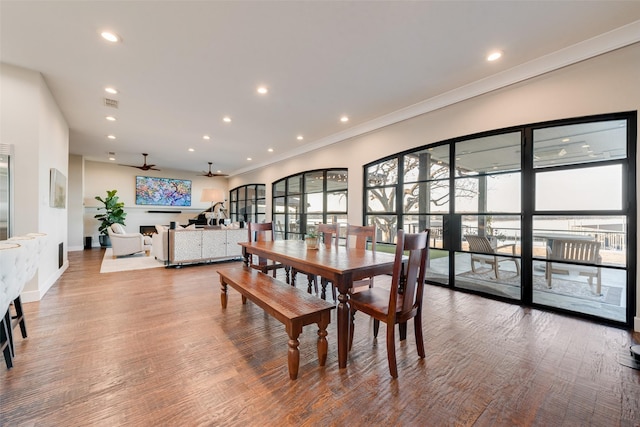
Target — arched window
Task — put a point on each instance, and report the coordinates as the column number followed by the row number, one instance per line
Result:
column 303, row 200
column 248, row 203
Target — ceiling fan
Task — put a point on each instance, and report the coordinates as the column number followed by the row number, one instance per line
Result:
column 211, row 174
column 145, row 166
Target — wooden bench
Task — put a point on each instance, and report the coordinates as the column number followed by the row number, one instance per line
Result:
column 575, row 252
column 291, row 306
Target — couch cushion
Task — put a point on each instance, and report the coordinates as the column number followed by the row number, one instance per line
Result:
column 160, row 228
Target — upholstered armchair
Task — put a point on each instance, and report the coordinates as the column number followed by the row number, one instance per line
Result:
column 123, row 243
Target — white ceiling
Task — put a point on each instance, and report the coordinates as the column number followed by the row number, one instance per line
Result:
column 183, row 65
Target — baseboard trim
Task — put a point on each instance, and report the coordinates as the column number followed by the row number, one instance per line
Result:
column 75, row 248
column 37, row 295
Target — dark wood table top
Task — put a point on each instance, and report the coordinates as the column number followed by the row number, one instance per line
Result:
column 341, row 265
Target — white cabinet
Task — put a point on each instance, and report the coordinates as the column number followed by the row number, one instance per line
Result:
column 201, row 245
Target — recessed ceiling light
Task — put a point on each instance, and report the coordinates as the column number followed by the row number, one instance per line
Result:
column 270, row 150
column 300, row 137
column 262, row 90
column 111, row 136
column 566, row 140
column 110, row 37
column 207, row 137
column 111, row 90
column 249, row 158
column 191, row 150
column 227, row 119
column 494, row 55
column 344, row 119
column 585, row 146
column 112, row 158
column 111, row 118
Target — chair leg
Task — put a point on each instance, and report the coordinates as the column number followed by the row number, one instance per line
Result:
column 402, row 327
column 7, row 323
column 352, row 316
column 17, row 304
column 419, row 339
column 323, row 288
column 310, row 283
column 473, row 264
column 5, row 343
column 391, row 351
column 376, row 327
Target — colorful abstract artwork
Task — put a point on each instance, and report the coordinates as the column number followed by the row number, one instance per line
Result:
column 163, row 191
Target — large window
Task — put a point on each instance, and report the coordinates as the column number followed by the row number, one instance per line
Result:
column 543, row 214
column 248, row 203
column 302, row 201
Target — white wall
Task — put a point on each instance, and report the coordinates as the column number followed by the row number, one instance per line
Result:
column 100, row 177
column 605, row 84
column 31, row 120
column 75, row 204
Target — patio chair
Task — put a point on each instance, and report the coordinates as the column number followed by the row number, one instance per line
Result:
column 483, row 245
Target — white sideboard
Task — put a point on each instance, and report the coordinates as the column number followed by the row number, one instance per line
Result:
column 202, row 245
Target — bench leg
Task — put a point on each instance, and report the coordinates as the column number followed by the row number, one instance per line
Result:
column 293, row 357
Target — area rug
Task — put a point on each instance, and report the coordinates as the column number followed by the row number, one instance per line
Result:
column 574, row 288
column 127, row 263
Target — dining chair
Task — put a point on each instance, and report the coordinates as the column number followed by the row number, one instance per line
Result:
column 328, row 235
column 359, row 236
column 260, row 232
column 403, row 301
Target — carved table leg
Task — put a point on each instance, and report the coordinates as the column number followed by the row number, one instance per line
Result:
column 223, row 293
column 322, row 338
column 343, row 329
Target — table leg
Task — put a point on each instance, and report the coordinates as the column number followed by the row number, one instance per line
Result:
column 343, row 328
column 247, row 257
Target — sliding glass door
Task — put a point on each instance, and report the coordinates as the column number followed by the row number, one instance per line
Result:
column 542, row 214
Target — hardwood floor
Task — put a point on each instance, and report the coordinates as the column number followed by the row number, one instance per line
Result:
column 154, row 347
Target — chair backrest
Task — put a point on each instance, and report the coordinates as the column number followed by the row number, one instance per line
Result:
column 117, row 229
column 410, row 270
column 329, row 234
column 358, row 235
column 587, row 251
column 260, row 232
column 479, row 244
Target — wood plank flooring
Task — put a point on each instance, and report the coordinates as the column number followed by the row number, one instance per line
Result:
column 154, row 347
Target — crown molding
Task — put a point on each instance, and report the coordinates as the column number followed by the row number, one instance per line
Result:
column 586, row 49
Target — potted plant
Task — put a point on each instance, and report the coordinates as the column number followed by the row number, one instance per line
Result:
column 114, row 214
column 312, row 240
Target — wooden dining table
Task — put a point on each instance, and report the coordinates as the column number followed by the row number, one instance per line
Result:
column 341, row 265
